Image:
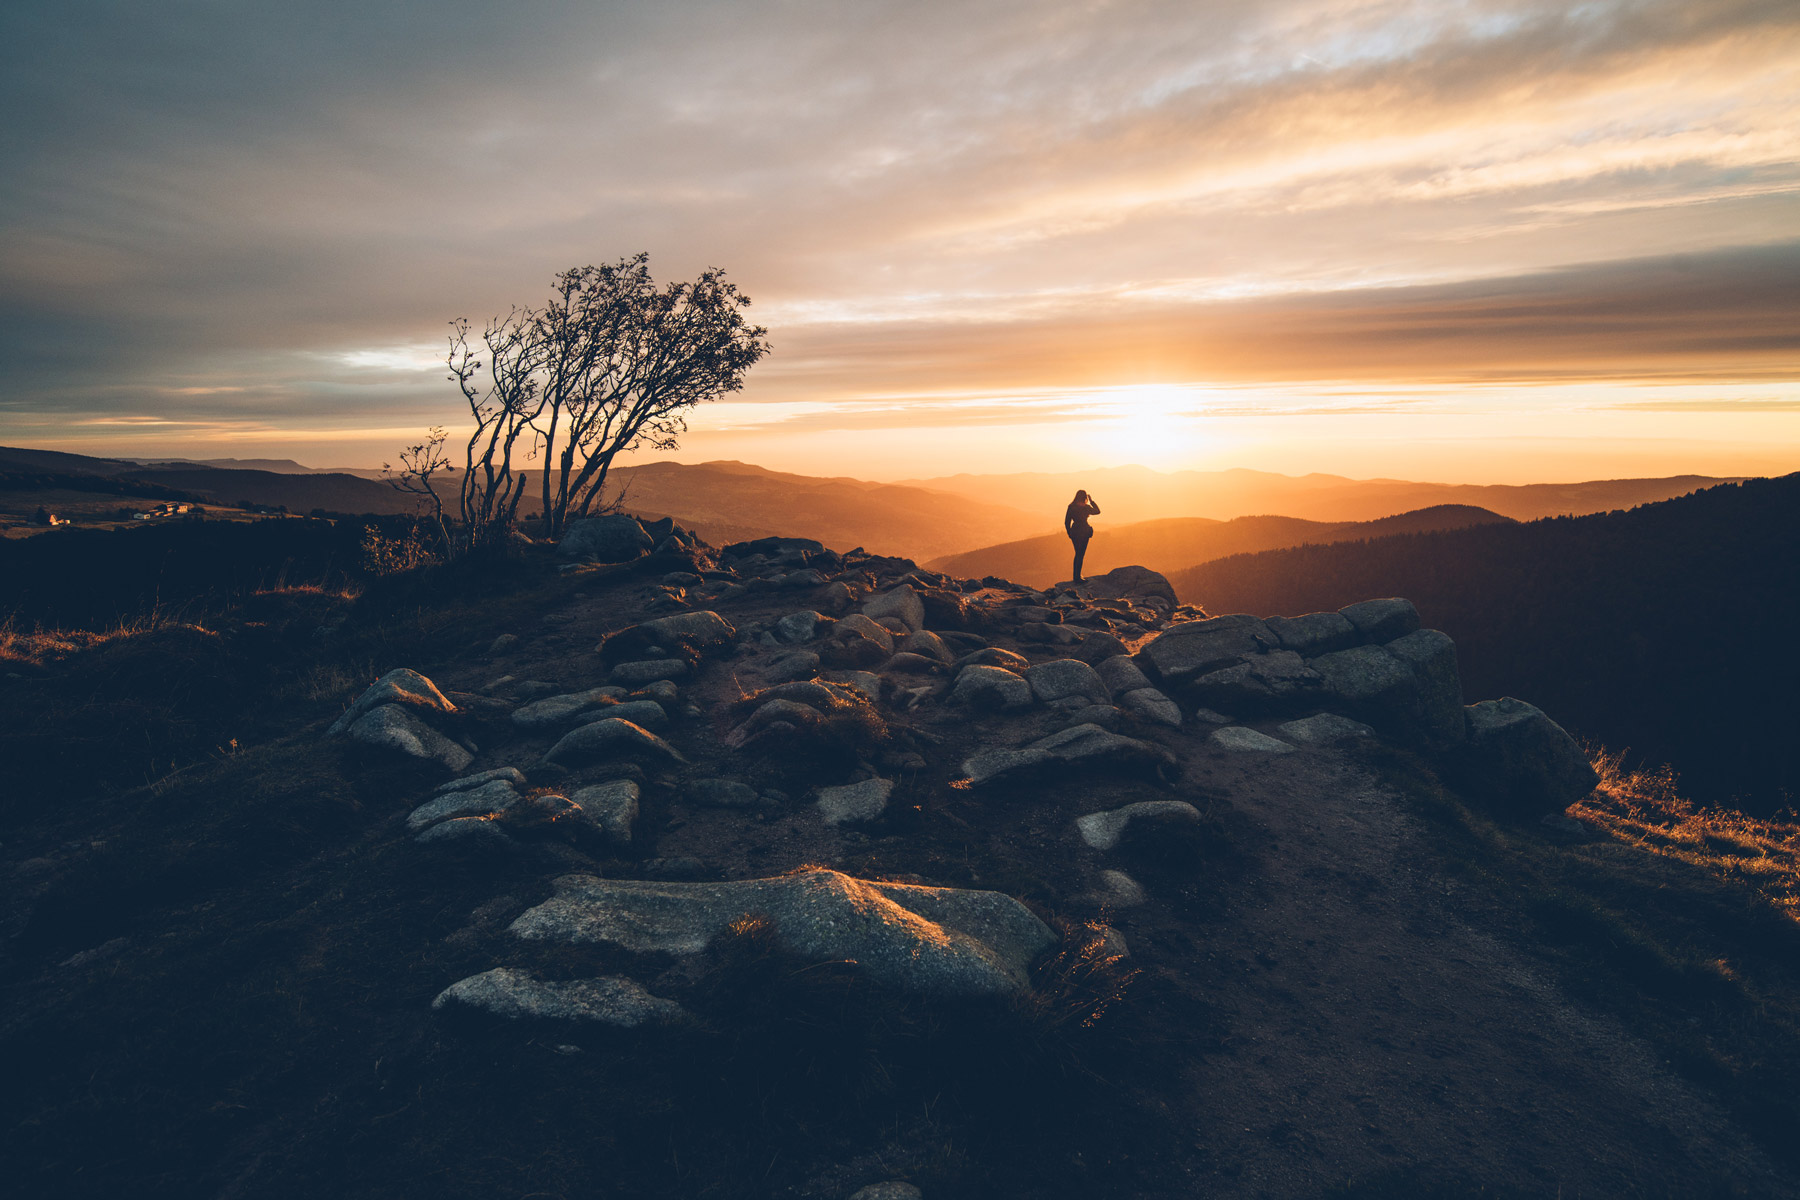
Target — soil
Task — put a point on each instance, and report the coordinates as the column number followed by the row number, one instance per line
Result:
column 1320, row 1006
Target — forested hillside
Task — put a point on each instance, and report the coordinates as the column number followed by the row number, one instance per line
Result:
column 1660, row 628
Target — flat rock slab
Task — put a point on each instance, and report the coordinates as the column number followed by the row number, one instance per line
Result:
column 396, row 728
column 1323, row 729
column 611, row 738
column 941, row 941
column 1102, row 830
column 1085, row 744
column 496, row 795
column 513, row 994
column 402, row 686
column 559, row 710
column 512, row 775
column 1314, row 633
column 1382, row 620
column 853, row 802
column 1238, row 738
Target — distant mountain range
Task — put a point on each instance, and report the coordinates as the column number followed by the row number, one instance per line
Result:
column 932, row 519
column 1174, row 544
column 1132, row 494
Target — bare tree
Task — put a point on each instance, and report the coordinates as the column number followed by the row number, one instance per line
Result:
column 418, row 463
column 503, row 407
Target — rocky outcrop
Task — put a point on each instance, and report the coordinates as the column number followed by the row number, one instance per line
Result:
column 941, row 941
column 1521, row 760
column 393, row 713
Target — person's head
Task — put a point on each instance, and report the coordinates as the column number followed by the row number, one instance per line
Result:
column 1080, row 497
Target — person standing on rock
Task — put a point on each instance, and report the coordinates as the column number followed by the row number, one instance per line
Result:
column 1075, row 524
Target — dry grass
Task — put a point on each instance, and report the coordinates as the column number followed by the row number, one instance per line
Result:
column 1645, row 809
column 42, row 647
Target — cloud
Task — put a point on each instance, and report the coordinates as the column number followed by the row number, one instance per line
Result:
column 222, row 212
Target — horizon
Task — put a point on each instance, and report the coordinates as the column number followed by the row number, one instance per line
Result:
column 1500, row 242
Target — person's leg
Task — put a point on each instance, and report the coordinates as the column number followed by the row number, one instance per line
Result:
column 1080, row 553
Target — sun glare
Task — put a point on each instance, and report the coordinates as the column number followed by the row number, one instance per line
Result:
column 1151, row 424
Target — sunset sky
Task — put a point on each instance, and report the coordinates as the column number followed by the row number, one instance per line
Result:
column 1481, row 241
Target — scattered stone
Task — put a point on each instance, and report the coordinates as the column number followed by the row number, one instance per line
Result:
column 1065, row 677
column 1193, row 648
column 799, row 626
column 943, row 941
column 610, row 539
column 1152, row 705
column 1104, row 715
column 504, row 644
column 1315, row 633
column 991, row 688
column 649, row 670
column 512, row 775
column 722, row 793
column 1519, row 758
column 1080, row 745
column 396, row 728
column 646, row 713
column 1239, row 738
column 496, row 795
column 1323, row 729
column 853, row 802
column 927, row 644
column 902, row 603
column 663, row 691
column 401, row 686
column 773, row 716
column 796, row 664
column 805, row 577
column 611, row 738
column 911, row 664
column 682, row 579
column 1209, row 716
column 866, row 682
column 1120, row 674
column 465, row 831
column 1120, row 889
column 836, row 598
column 1383, row 620
column 693, row 634
column 559, row 710
column 858, row 623
column 513, row 994
column 613, row 807
column 994, row 656
column 1102, row 830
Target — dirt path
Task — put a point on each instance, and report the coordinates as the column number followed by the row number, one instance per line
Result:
column 1373, row 1030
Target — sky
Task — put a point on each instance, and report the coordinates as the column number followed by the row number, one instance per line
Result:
column 1477, row 241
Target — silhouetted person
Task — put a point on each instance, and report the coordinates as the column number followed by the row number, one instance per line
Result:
column 1075, row 524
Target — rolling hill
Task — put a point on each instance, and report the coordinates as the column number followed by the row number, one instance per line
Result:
column 1132, row 494
column 1171, row 544
column 1657, row 628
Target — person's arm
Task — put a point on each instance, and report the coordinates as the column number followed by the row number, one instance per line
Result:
column 1093, row 508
